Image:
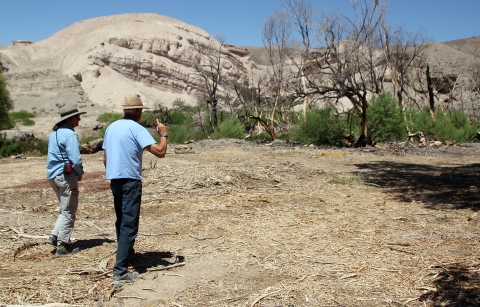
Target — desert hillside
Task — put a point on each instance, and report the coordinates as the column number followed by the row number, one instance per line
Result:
column 94, row 63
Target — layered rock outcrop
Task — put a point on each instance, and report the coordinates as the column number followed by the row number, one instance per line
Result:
column 96, row 62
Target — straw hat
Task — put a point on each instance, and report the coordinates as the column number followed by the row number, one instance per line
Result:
column 133, row 101
column 68, row 111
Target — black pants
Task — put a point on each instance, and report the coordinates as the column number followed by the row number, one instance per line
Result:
column 127, row 197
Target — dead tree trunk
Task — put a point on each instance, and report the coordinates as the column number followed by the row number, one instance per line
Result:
column 431, row 97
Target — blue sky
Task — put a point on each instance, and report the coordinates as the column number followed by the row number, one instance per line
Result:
column 241, row 21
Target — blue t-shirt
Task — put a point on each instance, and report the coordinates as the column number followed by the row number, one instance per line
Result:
column 124, row 142
column 63, row 147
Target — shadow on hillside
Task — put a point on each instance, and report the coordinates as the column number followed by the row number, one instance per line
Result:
column 455, row 285
column 452, row 187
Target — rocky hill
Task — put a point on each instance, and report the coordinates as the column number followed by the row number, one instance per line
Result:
column 96, row 62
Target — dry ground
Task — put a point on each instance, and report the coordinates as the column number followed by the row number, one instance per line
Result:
column 257, row 225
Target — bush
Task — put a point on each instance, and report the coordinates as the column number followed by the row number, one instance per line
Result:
column 8, row 147
column 181, row 133
column 230, row 128
column 170, row 117
column 25, row 145
column 420, row 120
column 107, row 118
column 6, row 104
column 446, row 126
column 322, row 127
column 454, row 127
column 24, row 117
column 385, row 111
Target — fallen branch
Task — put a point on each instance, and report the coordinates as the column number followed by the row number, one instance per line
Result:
column 22, row 248
column 92, row 225
column 23, row 235
column 159, row 234
column 176, row 265
column 46, row 305
column 87, row 271
column 410, row 300
column 262, row 297
column 137, row 297
column 349, row 276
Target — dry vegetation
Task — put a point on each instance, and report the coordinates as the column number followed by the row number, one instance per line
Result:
column 257, row 225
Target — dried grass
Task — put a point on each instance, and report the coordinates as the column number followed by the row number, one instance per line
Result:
column 256, row 226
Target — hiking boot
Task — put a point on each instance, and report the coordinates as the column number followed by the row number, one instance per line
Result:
column 66, row 249
column 52, row 240
column 125, row 278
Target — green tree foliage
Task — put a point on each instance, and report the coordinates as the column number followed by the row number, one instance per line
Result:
column 321, row 127
column 386, row 119
column 6, row 104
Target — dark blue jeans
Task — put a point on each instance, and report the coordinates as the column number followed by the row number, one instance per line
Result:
column 127, row 196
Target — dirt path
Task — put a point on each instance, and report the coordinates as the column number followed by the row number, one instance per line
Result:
column 258, row 225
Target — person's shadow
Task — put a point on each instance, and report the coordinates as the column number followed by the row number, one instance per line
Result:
column 91, row 243
column 143, row 261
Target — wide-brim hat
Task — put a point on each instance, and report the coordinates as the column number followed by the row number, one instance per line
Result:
column 133, row 101
column 68, row 111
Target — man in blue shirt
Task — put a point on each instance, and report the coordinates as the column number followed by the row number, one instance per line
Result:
column 64, row 170
column 124, row 143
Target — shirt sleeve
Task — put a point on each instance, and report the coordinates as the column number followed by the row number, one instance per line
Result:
column 73, row 152
column 145, row 138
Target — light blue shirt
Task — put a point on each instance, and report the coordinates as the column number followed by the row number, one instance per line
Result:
column 124, row 142
column 63, row 147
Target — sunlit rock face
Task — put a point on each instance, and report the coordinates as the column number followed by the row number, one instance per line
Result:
column 96, row 62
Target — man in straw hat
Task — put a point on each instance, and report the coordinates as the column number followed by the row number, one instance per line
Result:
column 124, row 143
column 64, row 171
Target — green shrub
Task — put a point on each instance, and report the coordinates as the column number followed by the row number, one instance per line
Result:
column 29, row 146
column 180, row 104
column 109, row 117
column 452, row 126
column 8, row 147
column 6, row 104
column 23, row 117
column 181, row 133
column 170, row 117
column 322, row 127
column 385, row 111
column 420, row 120
column 230, row 128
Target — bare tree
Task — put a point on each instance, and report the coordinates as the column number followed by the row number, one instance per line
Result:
column 276, row 36
column 299, row 15
column 250, row 94
column 347, row 63
column 208, row 65
column 404, row 56
column 475, row 70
